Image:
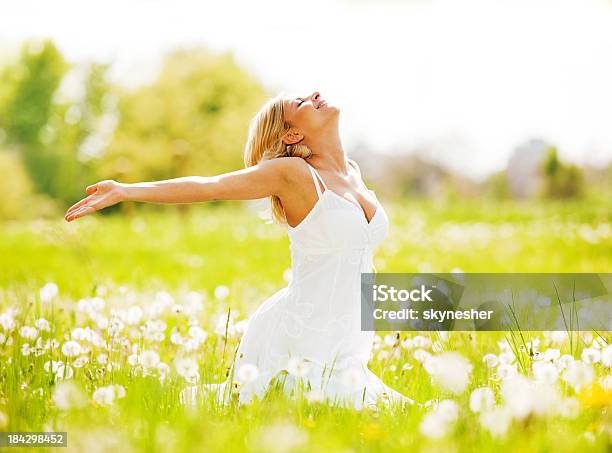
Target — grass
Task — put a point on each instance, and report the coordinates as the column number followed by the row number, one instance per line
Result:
column 158, row 256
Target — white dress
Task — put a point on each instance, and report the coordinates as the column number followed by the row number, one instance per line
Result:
column 312, row 327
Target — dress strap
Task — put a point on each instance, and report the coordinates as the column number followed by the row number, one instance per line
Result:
column 315, row 174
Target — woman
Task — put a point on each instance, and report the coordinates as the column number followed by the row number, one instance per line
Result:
column 311, row 327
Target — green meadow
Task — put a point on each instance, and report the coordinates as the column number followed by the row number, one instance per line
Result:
column 119, row 295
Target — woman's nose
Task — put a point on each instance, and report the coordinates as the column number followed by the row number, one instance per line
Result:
column 315, row 96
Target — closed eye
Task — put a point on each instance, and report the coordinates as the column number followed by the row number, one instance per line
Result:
column 301, row 101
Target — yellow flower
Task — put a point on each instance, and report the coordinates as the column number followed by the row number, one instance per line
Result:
column 595, row 395
column 309, row 422
column 372, row 431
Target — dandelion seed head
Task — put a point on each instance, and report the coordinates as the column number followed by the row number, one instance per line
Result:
column 496, row 421
column 221, row 292
column 149, row 359
column 298, row 366
column 579, row 374
column 48, row 292
column 490, row 360
column 67, row 395
column 71, row 348
column 507, row 371
column 482, row 399
column 247, row 373
column 606, row 356
column 591, row 355
column 28, row 332
column 42, row 324
column 450, row 370
column 545, row 372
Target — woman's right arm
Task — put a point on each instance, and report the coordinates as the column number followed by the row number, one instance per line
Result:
column 270, row 177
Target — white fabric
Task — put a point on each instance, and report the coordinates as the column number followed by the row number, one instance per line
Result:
column 317, row 316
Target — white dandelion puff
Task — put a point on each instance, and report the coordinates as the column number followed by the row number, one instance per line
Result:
column 176, row 338
column 496, row 421
column 133, row 359
column 421, row 355
column 438, row 422
column 606, row 356
column 188, row 369
column 71, row 348
column 482, row 399
column 506, row 357
column 247, row 373
column 450, row 370
column 42, row 324
column 7, row 321
column 119, row 391
column 545, row 372
column 280, row 437
column 551, row 354
column 133, row 315
column 579, row 374
column 420, row 341
column 198, row 334
column 315, row 396
column 221, row 292
column 490, row 360
column 506, row 371
column 64, row 372
column 80, row 361
column 563, row 362
column 28, row 332
column 149, row 359
column 298, row 366
column 104, row 395
column 67, row 395
column 48, row 292
column 591, row 355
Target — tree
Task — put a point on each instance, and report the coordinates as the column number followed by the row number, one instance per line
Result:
column 54, row 133
column 192, row 120
column 561, row 180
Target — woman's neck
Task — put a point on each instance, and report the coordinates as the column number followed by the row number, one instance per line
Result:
column 328, row 154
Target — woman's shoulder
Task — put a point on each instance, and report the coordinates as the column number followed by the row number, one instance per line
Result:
column 286, row 165
column 292, row 170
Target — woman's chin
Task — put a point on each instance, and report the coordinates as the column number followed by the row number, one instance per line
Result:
column 332, row 109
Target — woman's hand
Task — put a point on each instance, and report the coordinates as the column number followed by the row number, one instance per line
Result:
column 102, row 194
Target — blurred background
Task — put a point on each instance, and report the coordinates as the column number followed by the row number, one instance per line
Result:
column 511, row 99
column 471, row 110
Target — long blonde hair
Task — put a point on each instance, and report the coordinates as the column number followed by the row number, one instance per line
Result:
column 264, row 142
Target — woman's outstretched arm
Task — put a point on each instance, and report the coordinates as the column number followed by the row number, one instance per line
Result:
column 270, row 177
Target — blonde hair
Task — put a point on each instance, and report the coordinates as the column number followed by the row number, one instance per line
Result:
column 264, row 142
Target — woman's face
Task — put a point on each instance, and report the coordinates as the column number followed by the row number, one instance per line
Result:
column 309, row 114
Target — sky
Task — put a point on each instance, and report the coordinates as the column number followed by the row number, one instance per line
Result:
column 468, row 80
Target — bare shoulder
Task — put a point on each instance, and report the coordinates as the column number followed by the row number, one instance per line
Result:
column 354, row 164
column 283, row 167
column 287, row 171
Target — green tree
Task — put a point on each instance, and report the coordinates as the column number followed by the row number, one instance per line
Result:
column 56, row 135
column 192, row 120
column 26, row 92
column 560, row 180
column 78, row 132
